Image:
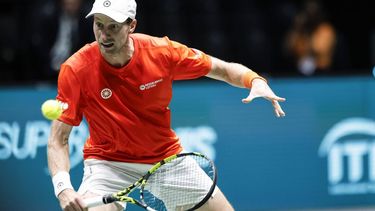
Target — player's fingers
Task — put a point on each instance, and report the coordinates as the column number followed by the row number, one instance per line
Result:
column 279, row 113
column 278, row 110
column 276, row 113
column 68, row 208
column 81, row 204
column 248, row 99
column 75, row 206
column 277, row 98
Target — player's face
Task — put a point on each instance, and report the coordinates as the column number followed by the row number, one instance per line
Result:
column 111, row 36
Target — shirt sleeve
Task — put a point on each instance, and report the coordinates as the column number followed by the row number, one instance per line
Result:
column 188, row 63
column 69, row 95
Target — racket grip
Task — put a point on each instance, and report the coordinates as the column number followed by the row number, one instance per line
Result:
column 94, row 201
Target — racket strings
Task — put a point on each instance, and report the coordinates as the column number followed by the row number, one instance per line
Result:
column 179, row 184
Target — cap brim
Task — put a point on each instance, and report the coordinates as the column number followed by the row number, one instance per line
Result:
column 118, row 17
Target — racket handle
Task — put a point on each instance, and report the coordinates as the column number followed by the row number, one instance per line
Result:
column 94, row 201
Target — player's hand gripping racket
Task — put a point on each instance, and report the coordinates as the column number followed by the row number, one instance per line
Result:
column 180, row 182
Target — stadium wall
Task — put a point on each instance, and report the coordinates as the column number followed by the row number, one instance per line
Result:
column 320, row 156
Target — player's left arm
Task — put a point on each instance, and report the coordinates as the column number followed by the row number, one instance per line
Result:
column 240, row 76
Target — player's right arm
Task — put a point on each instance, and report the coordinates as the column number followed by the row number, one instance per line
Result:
column 59, row 165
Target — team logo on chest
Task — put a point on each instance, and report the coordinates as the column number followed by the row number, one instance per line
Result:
column 106, row 93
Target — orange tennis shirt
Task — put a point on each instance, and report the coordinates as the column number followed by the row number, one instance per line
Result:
column 127, row 108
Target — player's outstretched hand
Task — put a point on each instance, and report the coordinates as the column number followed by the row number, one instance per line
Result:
column 260, row 88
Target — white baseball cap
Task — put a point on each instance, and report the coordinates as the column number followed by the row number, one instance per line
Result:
column 118, row 10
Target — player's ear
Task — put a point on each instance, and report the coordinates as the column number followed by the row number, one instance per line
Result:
column 133, row 24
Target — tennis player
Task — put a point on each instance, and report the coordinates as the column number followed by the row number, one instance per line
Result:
column 122, row 84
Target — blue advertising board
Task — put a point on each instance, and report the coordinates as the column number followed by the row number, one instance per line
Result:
column 321, row 155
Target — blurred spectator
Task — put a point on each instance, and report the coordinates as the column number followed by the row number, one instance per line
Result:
column 312, row 44
column 60, row 30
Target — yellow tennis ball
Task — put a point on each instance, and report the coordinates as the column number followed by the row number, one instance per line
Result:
column 51, row 109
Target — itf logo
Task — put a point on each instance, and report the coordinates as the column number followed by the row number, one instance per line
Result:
column 349, row 147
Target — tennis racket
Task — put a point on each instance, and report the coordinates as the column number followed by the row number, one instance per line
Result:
column 183, row 181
